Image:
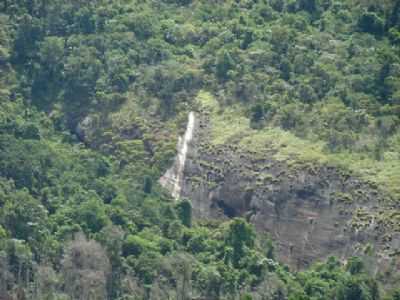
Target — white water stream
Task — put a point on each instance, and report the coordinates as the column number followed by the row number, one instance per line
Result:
column 173, row 178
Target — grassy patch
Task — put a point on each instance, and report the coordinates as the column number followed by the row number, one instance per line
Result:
column 231, row 126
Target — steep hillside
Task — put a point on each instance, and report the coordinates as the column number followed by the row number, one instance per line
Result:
column 294, row 156
column 310, row 204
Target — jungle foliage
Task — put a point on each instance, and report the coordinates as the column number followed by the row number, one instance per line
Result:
column 92, row 96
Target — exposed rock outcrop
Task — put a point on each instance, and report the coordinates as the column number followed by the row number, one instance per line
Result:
column 312, row 211
column 85, row 128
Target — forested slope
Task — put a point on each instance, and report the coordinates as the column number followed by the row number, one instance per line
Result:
column 93, row 95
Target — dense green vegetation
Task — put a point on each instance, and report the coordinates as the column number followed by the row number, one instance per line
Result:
column 93, row 94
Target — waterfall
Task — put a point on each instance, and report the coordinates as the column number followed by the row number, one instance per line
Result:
column 173, row 178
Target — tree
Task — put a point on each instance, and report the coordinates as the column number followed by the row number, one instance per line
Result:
column 353, row 289
column 286, row 68
column 355, row 265
column 28, row 34
column 181, row 264
column 25, row 217
column 240, row 236
column 370, row 22
column 136, row 245
column 394, row 16
column 184, row 208
column 310, row 6
column 147, row 266
column 92, row 215
column 224, row 64
column 46, row 280
column 82, row 70
column 119, row 69
column 86, row 269
column 281, row 38
column 6, row 277
column 48, row 75
column 246, row 296
column 257, row 113
column 23, row 258
column 51, row 54
column 396, row 295
column 210, row 281
column 147, row 184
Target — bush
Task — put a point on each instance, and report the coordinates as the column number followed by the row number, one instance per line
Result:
column 136, row 245
column 355, row 265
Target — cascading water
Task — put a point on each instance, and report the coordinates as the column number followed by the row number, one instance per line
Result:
column 173, row 178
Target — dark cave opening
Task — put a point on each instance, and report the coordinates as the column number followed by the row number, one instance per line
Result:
column 229, row 211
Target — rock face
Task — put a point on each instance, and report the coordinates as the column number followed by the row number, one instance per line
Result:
column 85, row 128
column 312, row 212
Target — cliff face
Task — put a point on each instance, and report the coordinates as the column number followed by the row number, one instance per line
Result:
column 311, row 211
